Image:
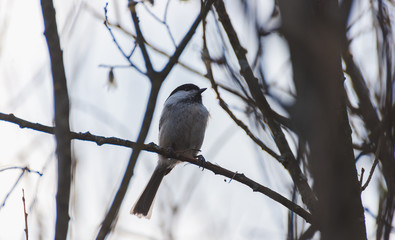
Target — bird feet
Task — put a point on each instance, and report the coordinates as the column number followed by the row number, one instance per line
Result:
column 202, row 161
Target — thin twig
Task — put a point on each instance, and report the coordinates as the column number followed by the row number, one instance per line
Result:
column 287, row 158
column 127, row 57
column 156, row 82
column 151, row 147
column 23, row 169
column 151, row 46
column 206, row 59
column 25, row 213
column 164, row 21
column 361, row 178
column 140, row 38
column 12, row 189
column 236, row 93
column 108, row 222
column 376, row 161
column 156, row 79
column 177, row 53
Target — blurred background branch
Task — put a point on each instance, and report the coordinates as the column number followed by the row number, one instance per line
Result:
column 62, row 126
column 156, row 79
column 307, row 83
column 287, row 158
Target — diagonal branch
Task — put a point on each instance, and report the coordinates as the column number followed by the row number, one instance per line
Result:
column 149, row 45
column 151, row 147
column 174, row 59
column 366, row 108
column 62, row 129
column 128, row 58
column 140, row 38
column 156, row 78
column 207, row 62
column 287, row 158
column 12, row 189
column 109, row 220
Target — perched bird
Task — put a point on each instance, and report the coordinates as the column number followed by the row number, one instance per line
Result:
column 181, row 128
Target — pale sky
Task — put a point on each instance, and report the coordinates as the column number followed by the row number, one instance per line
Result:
column 214, row 209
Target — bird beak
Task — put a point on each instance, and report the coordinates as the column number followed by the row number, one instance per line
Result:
column 202, row 90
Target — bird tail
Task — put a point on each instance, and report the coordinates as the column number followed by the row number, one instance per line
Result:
column 144, row 204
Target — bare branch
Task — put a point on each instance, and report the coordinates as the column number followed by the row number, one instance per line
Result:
column 99, row 140
column 25, row 214
column 366, row 108
column 287, row 158
column 62, row 129
column 108, row 222
column 140, row 38
column 376, row 161
column 12, row 189
column 207, row 62
column 156, row 82
column 380, row 130
column 23, row 169
column 164, row 21
column 127, row 57
column 151, row 46
column 151, row 147
column 174, row 59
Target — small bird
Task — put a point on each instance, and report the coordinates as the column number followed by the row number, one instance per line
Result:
column 181, row 128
